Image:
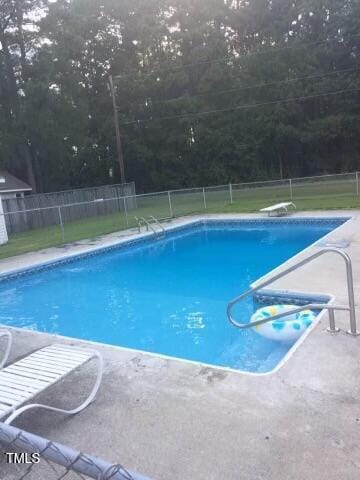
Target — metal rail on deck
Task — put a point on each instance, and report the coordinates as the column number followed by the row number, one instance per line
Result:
column 331, row 307
column 149, row 224
column 156, row 221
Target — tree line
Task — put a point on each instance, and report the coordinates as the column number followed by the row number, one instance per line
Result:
column 208, row 91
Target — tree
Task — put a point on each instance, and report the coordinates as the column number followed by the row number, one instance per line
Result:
column 173, row 62
column 17, row 37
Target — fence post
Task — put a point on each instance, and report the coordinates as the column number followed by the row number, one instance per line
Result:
column 170, row 206
column 126, row 213
column 204, row 197
column 61, row 224
column 231, row 194
column 291, row 189
column 357, row 183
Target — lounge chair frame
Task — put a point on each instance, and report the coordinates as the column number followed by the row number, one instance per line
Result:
column 21, row 381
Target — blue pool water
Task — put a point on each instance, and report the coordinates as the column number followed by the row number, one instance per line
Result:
column 166, row 296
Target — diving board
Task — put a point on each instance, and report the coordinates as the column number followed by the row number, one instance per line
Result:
column 278, row 208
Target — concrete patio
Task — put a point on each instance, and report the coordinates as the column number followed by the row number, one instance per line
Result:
column 173, row 420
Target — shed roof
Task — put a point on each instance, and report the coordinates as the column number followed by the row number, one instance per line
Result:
column 10, row 183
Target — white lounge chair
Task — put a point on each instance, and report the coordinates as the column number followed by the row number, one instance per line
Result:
column 23, row 380
column 278, row 208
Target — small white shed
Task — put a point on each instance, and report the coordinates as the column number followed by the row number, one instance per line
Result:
column 3, row 230
column 11, row 186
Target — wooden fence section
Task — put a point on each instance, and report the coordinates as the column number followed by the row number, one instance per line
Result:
column 43, row 210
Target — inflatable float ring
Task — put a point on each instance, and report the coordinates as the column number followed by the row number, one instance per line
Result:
column 285, row 329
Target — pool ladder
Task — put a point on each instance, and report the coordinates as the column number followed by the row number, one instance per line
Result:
column 317, row 306
column 149, row 224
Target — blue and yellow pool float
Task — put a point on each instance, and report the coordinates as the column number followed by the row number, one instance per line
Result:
column 285, row 329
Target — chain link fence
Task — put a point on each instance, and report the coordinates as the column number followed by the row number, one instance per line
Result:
column 262, row 191
column 73, row 222
column 325, row 185
column 27, row 456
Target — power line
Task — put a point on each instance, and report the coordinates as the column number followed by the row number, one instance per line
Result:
column 242, row 107
column 250, row 87
column 234, row 58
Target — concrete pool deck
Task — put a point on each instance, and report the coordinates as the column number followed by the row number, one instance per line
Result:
column 173, row 420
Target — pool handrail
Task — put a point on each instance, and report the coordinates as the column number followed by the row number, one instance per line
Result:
column 149, row 225
column 330, row 307
column 156, row 221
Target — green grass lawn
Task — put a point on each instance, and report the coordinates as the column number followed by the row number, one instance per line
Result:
column 315, row 203
column 186, row 203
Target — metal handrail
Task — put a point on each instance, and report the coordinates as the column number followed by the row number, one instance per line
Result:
column 139, row 222
column 149, row 225
column 331, row 308
column 158, row 223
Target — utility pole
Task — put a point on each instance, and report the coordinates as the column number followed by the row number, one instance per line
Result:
column 120, row 155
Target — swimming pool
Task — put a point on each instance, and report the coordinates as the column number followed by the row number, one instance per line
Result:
column 166, row 296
